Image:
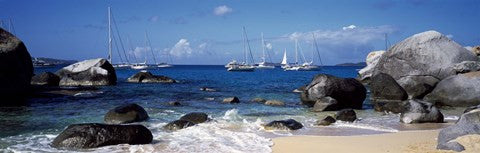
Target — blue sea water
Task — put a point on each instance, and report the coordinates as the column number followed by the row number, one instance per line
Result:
column 236, row 127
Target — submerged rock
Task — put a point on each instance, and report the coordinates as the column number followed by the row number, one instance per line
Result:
column 174, row 103
column 195, row 117
column 459, row 90
column 420, row 112
column 325, row 104
column 275, row 103
column 259, row 100
column 231, row 100
column 16, row 69
column 147, row 77
column 92, row 135
column 347, row 115
column 372, row 61
column 349, row 93
column 468, row 124
column 127, row 113
column 207, row 89
column 94, row 72
column 289, row 124
column 326, row 121
column 178, row 124
column 45, row 79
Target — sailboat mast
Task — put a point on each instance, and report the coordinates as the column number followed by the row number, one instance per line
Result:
column 263, row 48
column 296, row 51
column 109, row 36
column 151, row 49
column 244, row 46
column 316, row 49
column 386, row 44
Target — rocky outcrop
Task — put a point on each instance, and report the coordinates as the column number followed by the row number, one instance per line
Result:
column 422, row 56
column 147, row 77
column 195, row 117
column 275, row 103
column 127, row 113
column 459, row 90
column 231, row 100
column 372, row 61
column 416, row 111
column 289, row 124
column 468, row 124
column 326, row 121
column 178, row 124
column 45, row 79
column 325, row 104
column 16, row 69
column 92, row 135
column 348, row 92
column 466, row 66
column 94, row 72
column 347, row 115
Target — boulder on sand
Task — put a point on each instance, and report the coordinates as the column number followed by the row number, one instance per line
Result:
column 127, row 113
column 147, row 77
column 416, row 111
column 427, row 54
column 468, row 124
column 460, row 90
column 45, row 79
column 289, row 124
column 326, row 121
column 93, row 72
column 371, row 60
column 348, row 92
column 16, row 69
column 92, row 135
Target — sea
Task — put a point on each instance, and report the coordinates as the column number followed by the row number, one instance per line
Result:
column 234, row 128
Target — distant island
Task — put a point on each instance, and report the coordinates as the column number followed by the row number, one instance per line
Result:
column 42, row 61
column 352, row 64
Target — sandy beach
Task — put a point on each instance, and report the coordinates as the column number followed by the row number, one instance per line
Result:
column 423, row 141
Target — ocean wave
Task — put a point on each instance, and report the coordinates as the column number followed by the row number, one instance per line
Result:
column 364, row 126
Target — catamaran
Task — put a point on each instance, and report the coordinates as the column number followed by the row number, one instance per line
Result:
column 264, row 64
column 245, row 65
column 306, row 66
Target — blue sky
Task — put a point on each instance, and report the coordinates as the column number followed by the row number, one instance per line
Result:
column 210, row 32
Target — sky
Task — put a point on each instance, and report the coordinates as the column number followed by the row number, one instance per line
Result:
column 209, row 32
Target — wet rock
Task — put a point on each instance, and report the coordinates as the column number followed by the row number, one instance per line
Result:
column 147, row 77
column 349, row 93
column 259, row 100
column 127, row 113
column 274, row 103
column 289, row 124
column 92, row 135
column 16, row 69
column 207, row 89
column 174, row 103
column 458, row 91
column 326, row 121
column 231, row 100
column 45, row 79
column 347, row 115
column 468, row 124
column 325, row 104
column 195, row 117
column 178, row 124
column 417, row 111
column 372, row 61
column 93, row 72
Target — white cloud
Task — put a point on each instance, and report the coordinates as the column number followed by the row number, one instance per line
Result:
column 181, row 49
column 222, row 10
column 350, row 27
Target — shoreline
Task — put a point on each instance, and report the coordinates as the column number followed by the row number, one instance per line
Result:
column 420, row 141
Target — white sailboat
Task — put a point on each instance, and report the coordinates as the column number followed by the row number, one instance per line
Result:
column 306, row 66
column 244, row 66
column 284, row 62
column 264, row 64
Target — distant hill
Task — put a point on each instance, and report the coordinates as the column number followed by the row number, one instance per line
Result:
column 42, row 61
column 352, row 64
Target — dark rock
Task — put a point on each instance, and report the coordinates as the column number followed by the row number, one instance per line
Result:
column 420, row 112
column 325, row 104
column 348, row 92
column 178, row 124
column 231, row 100
column 468, row 124
column 16, row 69
column 147, row 77
column 207, row 89
column 259, row 100
column 289, row 124
column 128, row 113
column 92, row 135
column 174, row 103
column 274, row 103
column 195, row 117
column 458, row 91
column 384, row 87
column 326, row 121
column 94, row 72
column 45, row 79
column 417, row 86
column 347, row 115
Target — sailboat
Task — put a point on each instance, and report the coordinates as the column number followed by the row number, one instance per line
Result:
column 264, row 64
column 284, row 62
column 110, row 47
column 306, row 66
column 244, row 66
column 160, row 65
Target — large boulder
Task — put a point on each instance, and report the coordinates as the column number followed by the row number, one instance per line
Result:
column 289, row 124
column 468, row 124
column 385, row 88
column 325, row 104
column 459, row 90
column 93, row 72
column 16, row 69
column 147, row 77
column 372, row 61
column 416, row 111
column 427, row 54
column 127, row 113
column 45, row 79
column 92, row 135
column 348, row 92
column 195, row 117
column 417, row 86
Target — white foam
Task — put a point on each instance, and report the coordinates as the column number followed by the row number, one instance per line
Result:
column 451, row 117
column 364, row 126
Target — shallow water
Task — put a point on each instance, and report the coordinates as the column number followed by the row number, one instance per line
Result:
column 236, row 127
